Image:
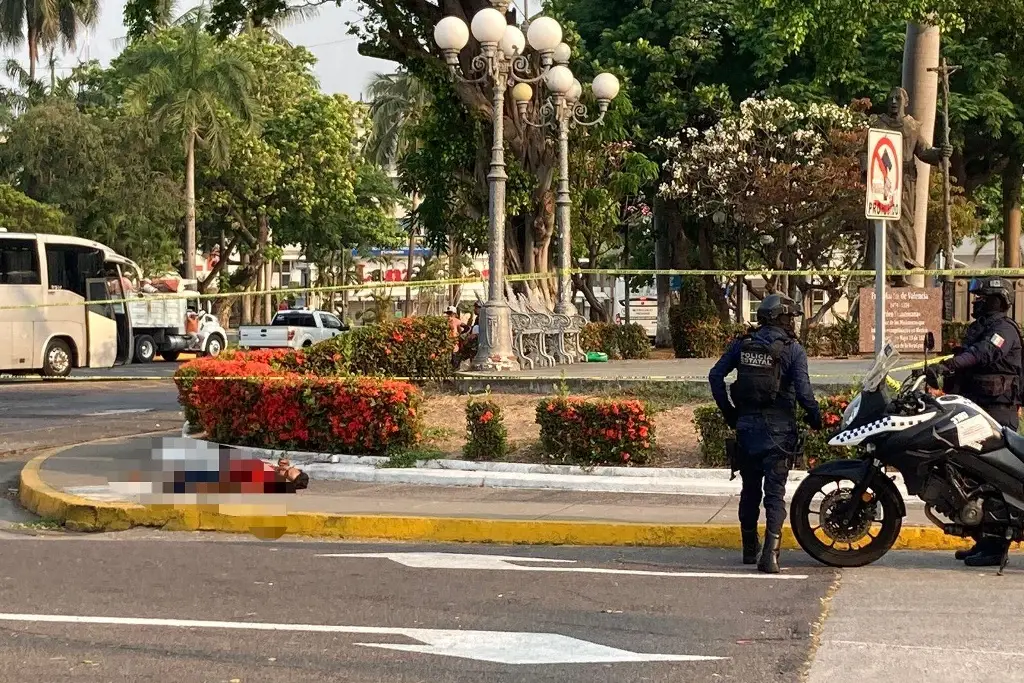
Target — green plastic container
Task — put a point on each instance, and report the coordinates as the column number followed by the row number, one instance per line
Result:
column 597, row 357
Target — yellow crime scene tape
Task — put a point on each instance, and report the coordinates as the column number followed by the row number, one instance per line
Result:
column 529, row 277
column 458, row 377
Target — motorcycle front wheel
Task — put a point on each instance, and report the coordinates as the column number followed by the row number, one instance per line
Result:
column 817, row 518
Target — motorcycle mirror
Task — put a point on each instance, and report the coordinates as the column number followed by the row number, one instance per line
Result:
column 929, row 342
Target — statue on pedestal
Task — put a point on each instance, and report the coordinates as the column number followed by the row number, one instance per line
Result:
column 901, row 242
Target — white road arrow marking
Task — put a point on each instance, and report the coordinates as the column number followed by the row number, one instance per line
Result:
column 502, row 647
column 119, row 411
column 503, row 562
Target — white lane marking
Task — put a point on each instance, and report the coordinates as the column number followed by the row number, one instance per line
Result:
column 503, row 647
column 503, row 562
column 119, row 411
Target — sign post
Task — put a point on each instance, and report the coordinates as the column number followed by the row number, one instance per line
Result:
column 881, row 205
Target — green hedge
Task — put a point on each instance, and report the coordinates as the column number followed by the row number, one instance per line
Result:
column 628, row 342
column 595, row 432
column 419, row 348
column 712, row 433
column 839, row 340
column 706, row 338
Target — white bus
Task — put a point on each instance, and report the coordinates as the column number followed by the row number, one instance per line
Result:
column 55, row 305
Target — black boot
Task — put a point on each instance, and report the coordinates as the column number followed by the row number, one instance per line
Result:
column 769, row 563
column 964, row 554
column 751, row 545
column 990, row 553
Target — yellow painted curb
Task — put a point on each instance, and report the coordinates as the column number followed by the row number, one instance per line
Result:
column 268, row 521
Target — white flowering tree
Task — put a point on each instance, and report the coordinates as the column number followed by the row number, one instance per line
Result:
column 788, row 176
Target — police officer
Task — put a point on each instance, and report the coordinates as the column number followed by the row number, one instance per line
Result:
column 987, row 369
column 771, row 379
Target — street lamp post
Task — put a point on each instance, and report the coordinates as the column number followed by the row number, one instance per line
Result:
column 500, row 62
column 563, row 111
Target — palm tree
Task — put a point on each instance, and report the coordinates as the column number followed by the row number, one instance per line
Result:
column 192, row 87
column 397, row 103
column 44, row 24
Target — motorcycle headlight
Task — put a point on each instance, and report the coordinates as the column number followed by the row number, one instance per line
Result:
column 851, row 413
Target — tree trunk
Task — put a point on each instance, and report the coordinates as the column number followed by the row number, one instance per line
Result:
column 707, row 262
column 33, row 48
column 246, row 312
column 920, row 53
column 260, row 263
column 1012, row 210
column 190, row 207
column 662, row 257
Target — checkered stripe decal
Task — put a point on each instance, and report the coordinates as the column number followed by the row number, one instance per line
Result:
column 892, row 423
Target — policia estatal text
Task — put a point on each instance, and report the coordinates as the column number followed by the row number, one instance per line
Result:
column 987, row 369
column 771, row 378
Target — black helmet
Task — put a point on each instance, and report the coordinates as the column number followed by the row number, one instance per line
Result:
column 774, row 306
column 993, row 287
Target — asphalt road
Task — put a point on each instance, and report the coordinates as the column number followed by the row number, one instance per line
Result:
column 239, row 610
column 760, row 628
column 43, row 415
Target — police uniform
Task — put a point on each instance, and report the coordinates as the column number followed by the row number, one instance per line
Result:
column 771, row 379
column 988, row 369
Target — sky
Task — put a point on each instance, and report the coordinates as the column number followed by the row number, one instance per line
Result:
column 340, row 68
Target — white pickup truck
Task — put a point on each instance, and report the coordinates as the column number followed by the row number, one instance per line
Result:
column 295, row 328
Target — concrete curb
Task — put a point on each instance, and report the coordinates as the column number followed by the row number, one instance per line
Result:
column 680, row 481
column 82, row 514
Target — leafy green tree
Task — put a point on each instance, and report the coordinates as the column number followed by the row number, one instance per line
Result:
column 191, row 87
column 20, row 213
column 104, row 175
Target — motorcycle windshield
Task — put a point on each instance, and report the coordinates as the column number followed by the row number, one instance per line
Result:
column 885, row 361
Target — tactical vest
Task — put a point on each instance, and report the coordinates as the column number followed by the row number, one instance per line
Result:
column 1001, row 385
column 759, row 375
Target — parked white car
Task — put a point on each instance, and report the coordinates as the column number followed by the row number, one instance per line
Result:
column 296, row 329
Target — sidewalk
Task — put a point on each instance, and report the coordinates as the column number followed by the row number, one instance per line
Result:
column 81, row 486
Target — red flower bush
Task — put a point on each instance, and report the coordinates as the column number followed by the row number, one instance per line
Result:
column 486, row 435
column 602, row 432
column 251, row 403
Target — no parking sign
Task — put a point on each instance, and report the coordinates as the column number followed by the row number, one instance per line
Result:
column 885, row 175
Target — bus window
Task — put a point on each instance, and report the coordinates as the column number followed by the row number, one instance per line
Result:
column 69, row 266
column 19, row 262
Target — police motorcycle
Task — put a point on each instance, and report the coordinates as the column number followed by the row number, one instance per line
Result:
column 951, row 454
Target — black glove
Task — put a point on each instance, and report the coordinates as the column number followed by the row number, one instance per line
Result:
column 814, row 422
column 731, row 417
column 934, row 373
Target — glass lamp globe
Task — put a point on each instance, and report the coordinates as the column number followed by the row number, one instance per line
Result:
column 451, row 33
column 559, row 79
column 522, row 92
column 544, row 34
column 513, row 42
column 605, row 86
column 489, row 26
column 562, row 54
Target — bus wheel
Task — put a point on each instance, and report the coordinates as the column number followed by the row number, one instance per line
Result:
column 57, row 359
column 145, row 349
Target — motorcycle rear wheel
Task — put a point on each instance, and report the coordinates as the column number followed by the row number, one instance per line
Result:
column 857, row 553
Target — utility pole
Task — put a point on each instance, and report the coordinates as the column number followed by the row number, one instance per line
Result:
column 944, row 70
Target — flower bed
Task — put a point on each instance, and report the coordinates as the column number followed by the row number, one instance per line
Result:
column 243, row 399
column 712, row 433
column 599, row 432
